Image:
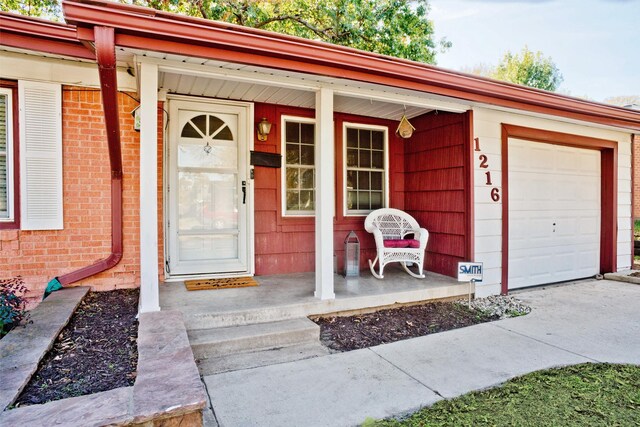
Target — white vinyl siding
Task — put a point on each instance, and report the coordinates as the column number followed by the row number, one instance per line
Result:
column 298, row 175
column 6, row 155
column 488, row 213
column 40, row 155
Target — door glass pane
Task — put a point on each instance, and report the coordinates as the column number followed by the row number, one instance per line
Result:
column 200, row 122
column 207, row 201
column 220, row 156
column 214, row 125
column 208, row 247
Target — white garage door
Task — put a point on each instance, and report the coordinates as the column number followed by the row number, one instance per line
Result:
column 554, row 213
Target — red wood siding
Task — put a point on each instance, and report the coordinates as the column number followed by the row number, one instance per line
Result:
column 287, row 244
column 434, row 187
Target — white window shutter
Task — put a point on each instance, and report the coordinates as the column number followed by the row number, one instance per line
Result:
column 40, row 155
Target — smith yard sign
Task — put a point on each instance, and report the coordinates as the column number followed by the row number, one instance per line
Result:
column 469, row 272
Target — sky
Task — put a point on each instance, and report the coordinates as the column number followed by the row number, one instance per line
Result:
column 594, row 43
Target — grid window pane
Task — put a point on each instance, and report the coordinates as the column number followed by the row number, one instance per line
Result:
column 306, row 155
column 299, row 167
column 352, row 138
column 365, row 169
column 307, row 133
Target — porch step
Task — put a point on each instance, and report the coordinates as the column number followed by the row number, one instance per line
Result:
column 216, row 342
column 255, row 359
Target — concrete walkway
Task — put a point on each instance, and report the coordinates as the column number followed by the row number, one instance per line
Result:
column 589, row 321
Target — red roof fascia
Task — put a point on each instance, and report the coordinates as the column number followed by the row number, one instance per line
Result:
column 145, row 28
column 40, row 35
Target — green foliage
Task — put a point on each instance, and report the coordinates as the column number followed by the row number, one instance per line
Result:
column 399, row 28
column 12, row 304
column 581, row 395
column 49, row 9
column 528, row 68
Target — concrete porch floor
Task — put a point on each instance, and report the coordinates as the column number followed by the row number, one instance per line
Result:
column 281, row 297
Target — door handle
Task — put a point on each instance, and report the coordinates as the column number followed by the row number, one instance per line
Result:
column 244, row 192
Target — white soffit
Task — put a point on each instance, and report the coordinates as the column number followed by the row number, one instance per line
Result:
column 209, row 78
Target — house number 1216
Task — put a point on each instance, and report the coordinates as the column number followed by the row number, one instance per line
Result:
column 484, row 164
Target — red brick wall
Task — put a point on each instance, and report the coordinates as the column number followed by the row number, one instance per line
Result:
column 636, row 176
column 435, row 187
column 39, row 256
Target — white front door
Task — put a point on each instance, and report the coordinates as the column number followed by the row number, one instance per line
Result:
column 208, row 225
column 554, row 213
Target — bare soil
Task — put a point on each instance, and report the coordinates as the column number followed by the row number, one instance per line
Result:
column 96, row 351
column 390, row 325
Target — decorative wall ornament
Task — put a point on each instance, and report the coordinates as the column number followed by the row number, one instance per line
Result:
column 405, row 129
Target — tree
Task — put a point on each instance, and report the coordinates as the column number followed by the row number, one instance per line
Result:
column 399, row 28
column 529, row 69
column 49, row 9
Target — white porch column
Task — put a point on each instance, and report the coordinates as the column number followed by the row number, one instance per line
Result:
column 325, row 190
column 149, row 292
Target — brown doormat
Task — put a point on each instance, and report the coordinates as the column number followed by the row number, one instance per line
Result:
column 230, row 282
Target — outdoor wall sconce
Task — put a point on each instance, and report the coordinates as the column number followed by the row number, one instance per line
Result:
column 136, row 118
column 405, row 129
column 264, row 127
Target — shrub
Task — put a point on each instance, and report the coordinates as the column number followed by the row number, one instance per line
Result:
column 12, row 304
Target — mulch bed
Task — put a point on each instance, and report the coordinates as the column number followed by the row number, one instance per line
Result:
column 95, row 352
column 390, row 325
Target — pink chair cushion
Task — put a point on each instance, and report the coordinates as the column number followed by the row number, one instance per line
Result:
column 401, row 243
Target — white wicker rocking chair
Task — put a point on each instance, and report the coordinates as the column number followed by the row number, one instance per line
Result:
column 390, row 228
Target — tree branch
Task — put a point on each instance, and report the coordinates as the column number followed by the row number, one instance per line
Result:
column 319, row 32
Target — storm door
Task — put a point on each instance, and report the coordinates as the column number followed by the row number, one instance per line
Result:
column 208, row 223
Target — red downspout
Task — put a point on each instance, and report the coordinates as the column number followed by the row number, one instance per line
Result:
column 106, row 56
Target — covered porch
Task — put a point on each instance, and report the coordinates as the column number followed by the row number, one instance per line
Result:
column 427, row 175
column 290, row 296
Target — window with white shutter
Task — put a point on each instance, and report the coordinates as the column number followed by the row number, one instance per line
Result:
column 40, row 155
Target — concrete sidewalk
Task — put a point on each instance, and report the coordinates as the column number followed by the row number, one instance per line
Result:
column 589, row 321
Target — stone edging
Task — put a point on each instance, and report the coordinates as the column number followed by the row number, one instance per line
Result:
column 167, row 386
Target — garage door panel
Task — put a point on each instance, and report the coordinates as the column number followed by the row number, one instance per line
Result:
column 554, row 213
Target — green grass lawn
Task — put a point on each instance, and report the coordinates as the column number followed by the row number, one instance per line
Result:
column 580, row 395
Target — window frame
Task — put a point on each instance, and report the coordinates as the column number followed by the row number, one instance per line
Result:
column 385, row 183
column 10, row 88
column 286, row 213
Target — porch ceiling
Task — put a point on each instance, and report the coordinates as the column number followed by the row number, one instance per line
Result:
column 187, row 75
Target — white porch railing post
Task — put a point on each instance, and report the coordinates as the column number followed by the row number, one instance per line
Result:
column 325, row 190
column 149, row 291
